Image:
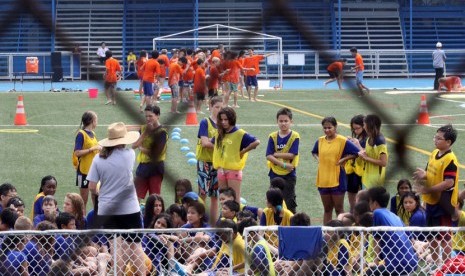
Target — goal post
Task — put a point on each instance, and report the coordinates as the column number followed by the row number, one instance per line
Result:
column 234, row 39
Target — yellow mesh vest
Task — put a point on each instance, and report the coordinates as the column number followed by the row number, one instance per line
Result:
column 228, row 155
column 278, row 169
column 86, row 160
column 205, row 154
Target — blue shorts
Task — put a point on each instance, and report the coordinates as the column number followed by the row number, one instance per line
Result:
column 188, row 84
column 174, row 91
column 251, row 81
column 359, row 77
column 232, row 87
column 339, row 190
column 148, row 88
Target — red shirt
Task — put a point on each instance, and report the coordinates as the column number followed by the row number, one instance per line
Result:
column 214, row 79
column 175, row 73
column 164, row 66
column 451, row 83
column 112, row 66
column 151, row 68
column 200, row 85
column 252, row 62
column 335, row 66
column 235, row 71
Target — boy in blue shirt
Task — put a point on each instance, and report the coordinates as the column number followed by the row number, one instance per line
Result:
column 393, row 247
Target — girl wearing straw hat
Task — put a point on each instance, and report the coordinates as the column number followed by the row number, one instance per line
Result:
column 118, row 207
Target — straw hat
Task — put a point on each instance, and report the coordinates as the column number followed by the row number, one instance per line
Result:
column 118, row 135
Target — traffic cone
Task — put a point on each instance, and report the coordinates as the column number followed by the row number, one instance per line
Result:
column 423, row 116
column 20, row 117
column 191, row 117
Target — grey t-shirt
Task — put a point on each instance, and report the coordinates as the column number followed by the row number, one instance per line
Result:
column 117, row 194
column 439, row 57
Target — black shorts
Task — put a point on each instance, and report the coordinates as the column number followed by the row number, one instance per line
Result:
column 129, row 221
column 354, row 183
column 200, row 96
column 81, row 181
column 333, row 74
column 212, row 92
column 110, row 85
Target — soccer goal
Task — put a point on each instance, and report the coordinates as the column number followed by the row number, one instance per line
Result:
column 235, row 39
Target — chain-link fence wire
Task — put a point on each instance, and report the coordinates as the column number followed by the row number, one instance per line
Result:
column 115, row 252
column 359, row 251
column 275, row 9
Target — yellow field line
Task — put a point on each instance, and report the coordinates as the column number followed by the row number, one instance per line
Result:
column 410, row 147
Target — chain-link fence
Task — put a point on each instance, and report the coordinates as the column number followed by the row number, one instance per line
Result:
column 355, row 250
column 110, row 252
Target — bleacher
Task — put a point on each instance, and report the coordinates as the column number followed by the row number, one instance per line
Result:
column 132, row 24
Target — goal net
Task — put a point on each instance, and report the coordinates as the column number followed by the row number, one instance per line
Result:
column 234, row 39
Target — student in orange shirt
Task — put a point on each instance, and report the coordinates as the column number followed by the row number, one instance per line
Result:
column 163, row 66
column 200, row 85
column 218, row 52
column 112, row 68
column 174, row 76
column 214, row 78
column 140, row 73
column 235, row 68
column 241, row 84
column 451, row 84
column 174, row 56
column 188, row 77
column 359, row 68
column 336, row 72
column 252, row 61
column 151, row 71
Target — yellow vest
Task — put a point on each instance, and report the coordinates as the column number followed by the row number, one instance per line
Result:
column 374, row 175
column 147, row 144
column 206, row 154
column 237, row 252
column 228, row 155
column 86, row 160
column 329, row 153
column 435, row 175
column 458, row 240
column 278, row 169
column 271, row 236
column 264, row 244
column 333, row 252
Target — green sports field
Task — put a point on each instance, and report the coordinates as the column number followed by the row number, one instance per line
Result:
column 47, row 143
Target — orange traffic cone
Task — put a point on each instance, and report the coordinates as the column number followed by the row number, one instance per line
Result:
column 423, row 116
column 191, row 118
column 20, row 118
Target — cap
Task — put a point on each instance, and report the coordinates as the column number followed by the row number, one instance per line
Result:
column 439, row 45
column 191, row 195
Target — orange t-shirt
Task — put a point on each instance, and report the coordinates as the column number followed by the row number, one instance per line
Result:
column 175, row 73
column 112, row 66
column 214, row 79
column 165, row 66
column 189, row 75
column 235, row 71
column 253, row 62
column 359, row 62
column 225, row 65
column 335, row 66
column 216, row 53
column 139, row 65
column 452, row 83
column 152, row 68
column 174, row 59
column 200, row 84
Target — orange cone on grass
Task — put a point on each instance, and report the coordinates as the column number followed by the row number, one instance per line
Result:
column 423, row 116
column 191, row 117
column 20, row 117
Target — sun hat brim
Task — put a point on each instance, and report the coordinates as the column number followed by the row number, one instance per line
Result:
column 129, row 138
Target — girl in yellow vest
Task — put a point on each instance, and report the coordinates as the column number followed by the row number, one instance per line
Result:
column 206, row 175
column 354, row 167
column 231, row 150
column 274, row 214
column 282, row 154
column 85, row 148
column 332, row 151
column 375, row 154
column 337, row 258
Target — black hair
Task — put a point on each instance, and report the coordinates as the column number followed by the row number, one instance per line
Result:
column 189, row 51
column 44, row 180
column 153, row 108
column 228, row 191
column 300, row 219
column 330, row 120
column 401, row 210
column 450, row 133
column 5, row 188
column 402, row 182
column 15, row 201
column 64, row 218
column 227, row 223
column 200, row 61
column 284, row 111
column 161, row 61
column 232, row 205
column 366, row 220
column 380, row 195
column 143, row 53
column 274, row 197
column 358, row 120
column 244, row 214
column 278, row 183
column 373, row 127
column 230, row 114
column 108, row 54
column 361, row 207
column 182, row 182
column 155, row 54
column 353, row 50
column 166, row 217
column 148, row 210
column 248, row 222
column 8, row 216
column 183, row 60
column 178, row 209
column 87, row 119
column 200, row 209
